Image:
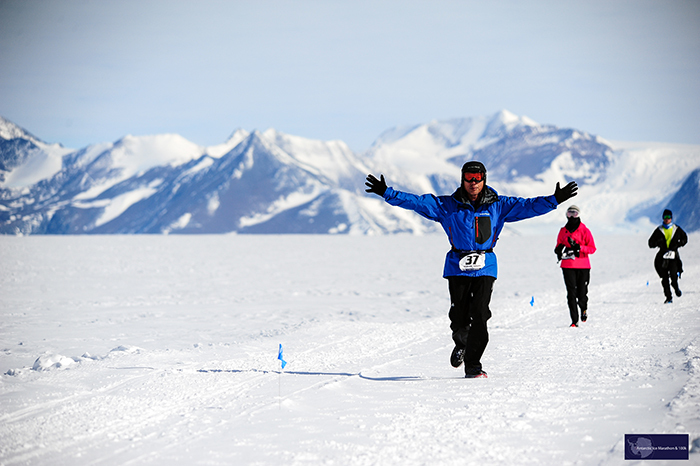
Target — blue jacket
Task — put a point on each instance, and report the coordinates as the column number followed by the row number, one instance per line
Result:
column 470, row 229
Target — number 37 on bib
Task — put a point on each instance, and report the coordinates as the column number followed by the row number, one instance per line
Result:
column 474, row 260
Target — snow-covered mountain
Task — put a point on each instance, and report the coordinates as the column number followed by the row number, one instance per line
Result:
column 24, row 158
column 685, row 205
column 515, row 150
column 253, row 183
column 272, row 182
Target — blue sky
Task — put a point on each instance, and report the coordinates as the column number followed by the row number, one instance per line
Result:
column 82, row 72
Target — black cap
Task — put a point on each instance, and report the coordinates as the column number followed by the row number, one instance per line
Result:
column 473, row 167
column 667, row 213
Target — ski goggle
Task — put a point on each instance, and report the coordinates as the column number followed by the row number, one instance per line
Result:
column 571, row 213
column 473, row 177
column 667, row 217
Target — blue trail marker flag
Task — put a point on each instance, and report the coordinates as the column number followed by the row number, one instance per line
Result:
column 280, row 356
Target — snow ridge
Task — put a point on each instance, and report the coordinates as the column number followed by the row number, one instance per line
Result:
column 271, row 182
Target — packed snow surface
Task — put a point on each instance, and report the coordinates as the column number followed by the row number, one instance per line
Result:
column 121, row 350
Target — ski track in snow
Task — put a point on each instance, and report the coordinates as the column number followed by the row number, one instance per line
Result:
column 175, row 341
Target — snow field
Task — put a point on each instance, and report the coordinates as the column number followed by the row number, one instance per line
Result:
column 163, row 350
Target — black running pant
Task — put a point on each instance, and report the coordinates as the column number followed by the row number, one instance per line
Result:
column 469, row 311
column 668, row 273
column 576, row 281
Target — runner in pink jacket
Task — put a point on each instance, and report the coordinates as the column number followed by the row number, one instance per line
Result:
column 574, row 245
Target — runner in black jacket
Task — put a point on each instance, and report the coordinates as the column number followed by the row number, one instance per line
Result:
column 668, row 238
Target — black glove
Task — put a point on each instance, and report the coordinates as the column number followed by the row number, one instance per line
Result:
column 558, row 251
column 375, row 186
column 575, row 247
column 567, row 192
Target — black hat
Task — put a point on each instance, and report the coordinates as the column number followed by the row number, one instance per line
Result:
column 667, row 213
column 473, row 167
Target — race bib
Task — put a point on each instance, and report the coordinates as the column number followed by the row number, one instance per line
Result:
column 670, row 255
column 568, row 254
column 472, row 261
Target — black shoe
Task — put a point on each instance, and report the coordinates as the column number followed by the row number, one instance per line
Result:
column 668, row 301
column 573, row 325
column 584, row 316
column 678, row 292
column 476, row 375
column 457, row 356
